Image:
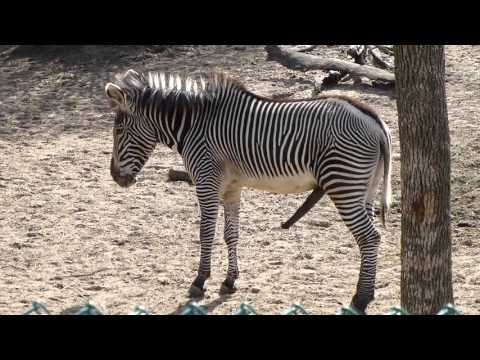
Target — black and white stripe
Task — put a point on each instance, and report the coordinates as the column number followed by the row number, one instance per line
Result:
column 230, row 138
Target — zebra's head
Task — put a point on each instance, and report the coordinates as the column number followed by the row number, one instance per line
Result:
column 133, row 136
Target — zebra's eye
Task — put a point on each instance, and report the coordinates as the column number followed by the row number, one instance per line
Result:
column 119, row 130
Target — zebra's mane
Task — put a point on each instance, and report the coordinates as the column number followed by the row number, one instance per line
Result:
column 199, row 86
column 204, row 86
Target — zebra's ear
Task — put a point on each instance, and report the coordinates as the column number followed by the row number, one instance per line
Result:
column 115, row 95
column 132, row 72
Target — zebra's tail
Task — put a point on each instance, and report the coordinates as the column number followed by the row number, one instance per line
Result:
column 387, row 176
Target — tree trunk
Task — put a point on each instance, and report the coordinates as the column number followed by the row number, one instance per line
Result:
column 426, row 279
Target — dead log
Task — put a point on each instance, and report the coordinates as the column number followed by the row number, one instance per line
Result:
column 11, row 49
column 378, row 60
column 358, row 53
column 295, row 60
column 387, row 49
column 303, row 48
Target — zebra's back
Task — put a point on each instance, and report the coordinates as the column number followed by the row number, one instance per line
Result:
column 277, row 147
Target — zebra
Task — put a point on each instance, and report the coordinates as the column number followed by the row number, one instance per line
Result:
column 230, row 138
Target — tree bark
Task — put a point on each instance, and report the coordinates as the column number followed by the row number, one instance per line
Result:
column 295, row 60
column 426, row 276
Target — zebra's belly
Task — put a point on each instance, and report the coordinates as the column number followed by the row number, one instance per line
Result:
column 282, row 185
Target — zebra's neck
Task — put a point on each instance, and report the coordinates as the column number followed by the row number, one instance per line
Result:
column 175, row 115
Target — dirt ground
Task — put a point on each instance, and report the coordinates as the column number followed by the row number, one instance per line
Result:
column 69, row 234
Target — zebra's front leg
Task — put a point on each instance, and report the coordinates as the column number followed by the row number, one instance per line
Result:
column 231, row 204
column 208, row 202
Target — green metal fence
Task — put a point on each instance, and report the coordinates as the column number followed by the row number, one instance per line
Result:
column 194, row 308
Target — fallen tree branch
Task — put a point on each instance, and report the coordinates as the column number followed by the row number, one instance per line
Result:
column 9, row 51
column 87, row 274
column 358, row 54
column 298, row 61
column 387, row 49
column 377, row 59
column 303, row 48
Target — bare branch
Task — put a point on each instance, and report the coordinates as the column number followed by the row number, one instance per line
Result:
column 298, row 61
column 378, row 60
column 387, row 49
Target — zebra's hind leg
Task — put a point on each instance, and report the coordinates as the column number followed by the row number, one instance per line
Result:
column 231, row 203
column 370, row 211
column 355, row 216
column 372, row 190
column 208, row 202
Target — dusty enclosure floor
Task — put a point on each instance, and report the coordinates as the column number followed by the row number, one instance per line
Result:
column 69, row 234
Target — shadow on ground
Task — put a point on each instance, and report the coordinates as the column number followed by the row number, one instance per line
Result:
column 59, row 89
column 209, row 307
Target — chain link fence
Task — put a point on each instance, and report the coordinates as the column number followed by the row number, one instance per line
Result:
column 194, row 308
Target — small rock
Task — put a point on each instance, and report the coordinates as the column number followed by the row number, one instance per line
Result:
column 382, row 285
column 276, row 263
column 94, row 288
column 323, row 224
column 255, row 290
column 158, row 48
column 464, row 224
column 307, row 271
column 467, row 242
column 341, row 251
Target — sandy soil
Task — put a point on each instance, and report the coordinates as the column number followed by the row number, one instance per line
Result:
column 69, row 234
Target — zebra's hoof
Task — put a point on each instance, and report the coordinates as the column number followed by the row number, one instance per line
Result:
column 196, row 292
column 356, row 308
column 227, row 289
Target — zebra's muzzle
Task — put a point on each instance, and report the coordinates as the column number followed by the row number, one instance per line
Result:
column 124, row 180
